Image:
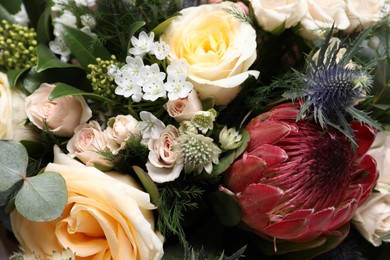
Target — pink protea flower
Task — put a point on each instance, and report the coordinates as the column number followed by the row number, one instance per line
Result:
column 296, row 182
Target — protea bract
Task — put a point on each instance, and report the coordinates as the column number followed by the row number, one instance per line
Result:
column 298, row 183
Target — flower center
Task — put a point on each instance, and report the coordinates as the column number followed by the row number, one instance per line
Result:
column 317, row 172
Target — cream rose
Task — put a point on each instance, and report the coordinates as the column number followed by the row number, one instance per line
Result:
column 380, row 150
column 86, row 143
column 62, row 115
column 163, row 164
column 185, row 108
column 106, row 217
column 321, row 16
column 218, row 47
column 274, row 15
column 363, row 13
column 372, row 218
column 123, row 128
column 12, row 114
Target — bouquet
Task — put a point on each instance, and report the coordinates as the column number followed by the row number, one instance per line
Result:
column 194, row 129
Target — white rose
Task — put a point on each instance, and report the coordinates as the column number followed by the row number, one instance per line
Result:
column 106, row 217
column 86, row 143
column 12, row 113
column 380, row 151
column 184, row 109
column 372, row 218
column 62, row 115
column 363, row 13
column 218, row 47
column 321, row 16
column 271, row 15
column 163, row 165
column 123, row 128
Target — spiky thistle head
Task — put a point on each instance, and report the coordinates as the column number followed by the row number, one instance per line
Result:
column 333, row 85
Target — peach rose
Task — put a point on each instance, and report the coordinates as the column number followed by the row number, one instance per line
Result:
column 218, row 47
column 122, row 128
column 363, row 13
column 88, row 140
column 163, row 165
column 12, row 114
column 321, row 16
column 62, row 115
column 106, row 217
column 380, row 150
column 185, row 108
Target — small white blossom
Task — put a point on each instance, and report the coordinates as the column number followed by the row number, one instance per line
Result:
column 59, row 5
column 86, row 3
column 67, row 18
column 133, row 65
column 160, row 50
column 128, row 86
column 21, row 17
column 178, row 87
column 151, row 126
column 58, row 46
column 230, row 138
column 88, row 31
column 142, row 45
column 153, row 90
column 114, row 71
column 149, row 74
column 178, row 68
column 88, row 21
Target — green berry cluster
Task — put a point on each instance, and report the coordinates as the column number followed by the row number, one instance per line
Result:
column 17, row 46
column 102, row 83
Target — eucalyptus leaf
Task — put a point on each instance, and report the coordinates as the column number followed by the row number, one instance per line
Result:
column 42, row 197
column 63, row 90
column 13, row 163
column 84, row 47
column 148, row 184
column 47, row 60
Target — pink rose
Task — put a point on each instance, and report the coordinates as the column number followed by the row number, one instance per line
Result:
column 123, row 128
column 163, row 165
column 62, row 115
column 88, row 140
column 185, row 108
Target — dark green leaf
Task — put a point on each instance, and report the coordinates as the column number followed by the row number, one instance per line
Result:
column 85, row 48
column 47, row 60
column 226, row 208
column 225, row 161
column 5, row 15
column 44, row 26
column 34, row 10
column 13, row 163
column 382, row 106
column 159, row 29
column 42, row 197
column 14, row 75
column 134, row 28
column 11, row 6
column 245, row 141
column 63, row 90
column 208, row 103
column 238, row 254
column 148, row 184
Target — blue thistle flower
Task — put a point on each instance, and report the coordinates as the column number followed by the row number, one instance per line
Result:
column 331, row 87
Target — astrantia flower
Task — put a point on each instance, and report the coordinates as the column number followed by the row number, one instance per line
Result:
column 198, row 152
column 331, row 87
column 204, row 120
column 296, row 182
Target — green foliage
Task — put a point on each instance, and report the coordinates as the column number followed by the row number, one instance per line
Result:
column 47, row 60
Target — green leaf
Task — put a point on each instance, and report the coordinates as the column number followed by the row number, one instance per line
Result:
column 34, row 10
column 224, row 162
column 385, row 237
column 238, row 254
column 134, row 28
column 42, row 197
column 226, row 208
column 208, row 103
column 381, row 106
column 5, row 15
column 14, row 75
column 44, row 26
column 47, row 60
column 13, row 163
column 11, row 6
column 159, row 29
column 148, row 184
column 85, row 48
column 245, row 141
column 63, row 90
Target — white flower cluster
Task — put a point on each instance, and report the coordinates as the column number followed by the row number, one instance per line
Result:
column 140, row 81
column 66, row 17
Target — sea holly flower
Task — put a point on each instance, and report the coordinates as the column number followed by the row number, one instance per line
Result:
column 198, row 152
column 297, row 183
column 151, row 126
column 141, row 45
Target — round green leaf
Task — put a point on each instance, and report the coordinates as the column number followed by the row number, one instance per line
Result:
column 13, row 163
column 42, row 197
